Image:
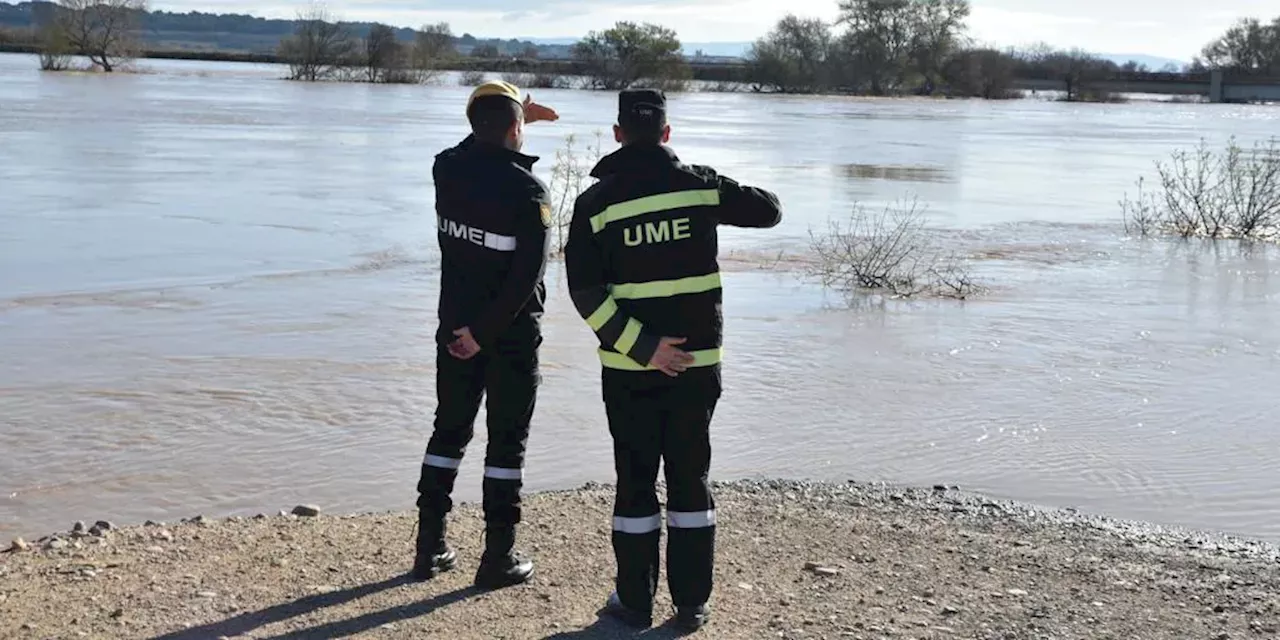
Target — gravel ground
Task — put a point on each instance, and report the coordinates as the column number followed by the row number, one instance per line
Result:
column 795, row 560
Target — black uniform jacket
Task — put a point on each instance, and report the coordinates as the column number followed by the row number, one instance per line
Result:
column 493, row 214
column 641, row 258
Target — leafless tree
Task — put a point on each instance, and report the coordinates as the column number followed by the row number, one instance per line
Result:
column 104, row 31
column 319, row 47
column 433, row 49
column 1250, row 46
column 383, row 54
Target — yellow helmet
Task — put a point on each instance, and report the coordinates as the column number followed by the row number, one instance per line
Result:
column 495, row 88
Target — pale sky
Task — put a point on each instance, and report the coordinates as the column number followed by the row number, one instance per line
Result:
column 1170, row 28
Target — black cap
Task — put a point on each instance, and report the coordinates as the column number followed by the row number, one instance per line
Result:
column 642, row 108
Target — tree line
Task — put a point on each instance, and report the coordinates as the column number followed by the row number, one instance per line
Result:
column 875, row 47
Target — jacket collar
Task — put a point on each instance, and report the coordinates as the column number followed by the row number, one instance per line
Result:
column 635, row 157
column 472, row 146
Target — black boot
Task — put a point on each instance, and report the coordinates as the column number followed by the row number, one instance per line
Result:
column 692, row 618
column 499, row 566
column 433, row 555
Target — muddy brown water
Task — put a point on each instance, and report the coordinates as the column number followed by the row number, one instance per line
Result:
column 217, row 295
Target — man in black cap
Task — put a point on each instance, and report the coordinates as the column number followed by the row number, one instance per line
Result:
column 641, row 261
column 492, row 213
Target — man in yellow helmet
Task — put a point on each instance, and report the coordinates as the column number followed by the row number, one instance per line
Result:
column 642, row 268
column 492, row 214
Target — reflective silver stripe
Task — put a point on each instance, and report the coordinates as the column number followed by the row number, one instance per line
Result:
column 441, row 462
column 475, row 235
column 500, row 473
column 691, row 519
column 637, row 525
column 499, row 242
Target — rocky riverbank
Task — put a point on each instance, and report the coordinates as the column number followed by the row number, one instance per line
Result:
column 795, row 560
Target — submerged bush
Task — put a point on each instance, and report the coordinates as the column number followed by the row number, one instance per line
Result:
column 570, row 176
column 1234, row 193
column 471, row 78
column 891, row 251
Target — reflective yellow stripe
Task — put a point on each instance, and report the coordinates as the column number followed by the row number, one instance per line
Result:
column 651, row 204
column 619, row 361
column 629, row 336
column 602, row 314
column 666, row 288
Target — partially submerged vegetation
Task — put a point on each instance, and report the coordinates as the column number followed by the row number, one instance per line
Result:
column 570, row 176
column 873, row 47
column 889, row 251
column 1232, row 193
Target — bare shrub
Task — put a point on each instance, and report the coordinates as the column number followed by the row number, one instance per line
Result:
column 723, row 87
column 516, row 78
column 570, row 176
column 56, row 52
column 471, row 78
column 891, row 251
column 1234, row 193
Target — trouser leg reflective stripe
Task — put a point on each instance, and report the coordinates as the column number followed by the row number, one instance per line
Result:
column 637, row 519
column 691, row 509
column 459, row 389
column 512, row 387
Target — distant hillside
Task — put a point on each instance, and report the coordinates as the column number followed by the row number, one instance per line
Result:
column 198, row 31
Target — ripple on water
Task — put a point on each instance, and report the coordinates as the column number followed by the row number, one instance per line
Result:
column 174, row 346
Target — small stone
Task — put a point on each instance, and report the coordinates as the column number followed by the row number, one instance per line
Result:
column 27, row 626
column 939, row 487
column 744, row 586
column 260, row 516
column 104, row 525
column 153, row 523
column 55, row 544
column 950, row 611
column 155, row 549
column 165, row 534
column 1017, row 593
column 1219, row 609
column 200, row 519
column 117, row 614
column 826, row 571
column 390, row 626
column 78, row 527
column 19, row 545
column 283, row 513
column 306, row 510
column 207, row 594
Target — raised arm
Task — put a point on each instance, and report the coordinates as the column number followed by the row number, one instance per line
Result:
column 743, row 206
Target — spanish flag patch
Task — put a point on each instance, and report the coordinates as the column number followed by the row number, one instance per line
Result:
column 546, row 214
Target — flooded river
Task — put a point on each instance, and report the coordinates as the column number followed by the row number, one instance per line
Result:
column 217, row 295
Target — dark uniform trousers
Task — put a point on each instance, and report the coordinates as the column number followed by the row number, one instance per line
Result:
column 668, row 423
column 510, row 380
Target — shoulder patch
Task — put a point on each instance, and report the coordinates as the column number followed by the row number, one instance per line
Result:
column 545, row 210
